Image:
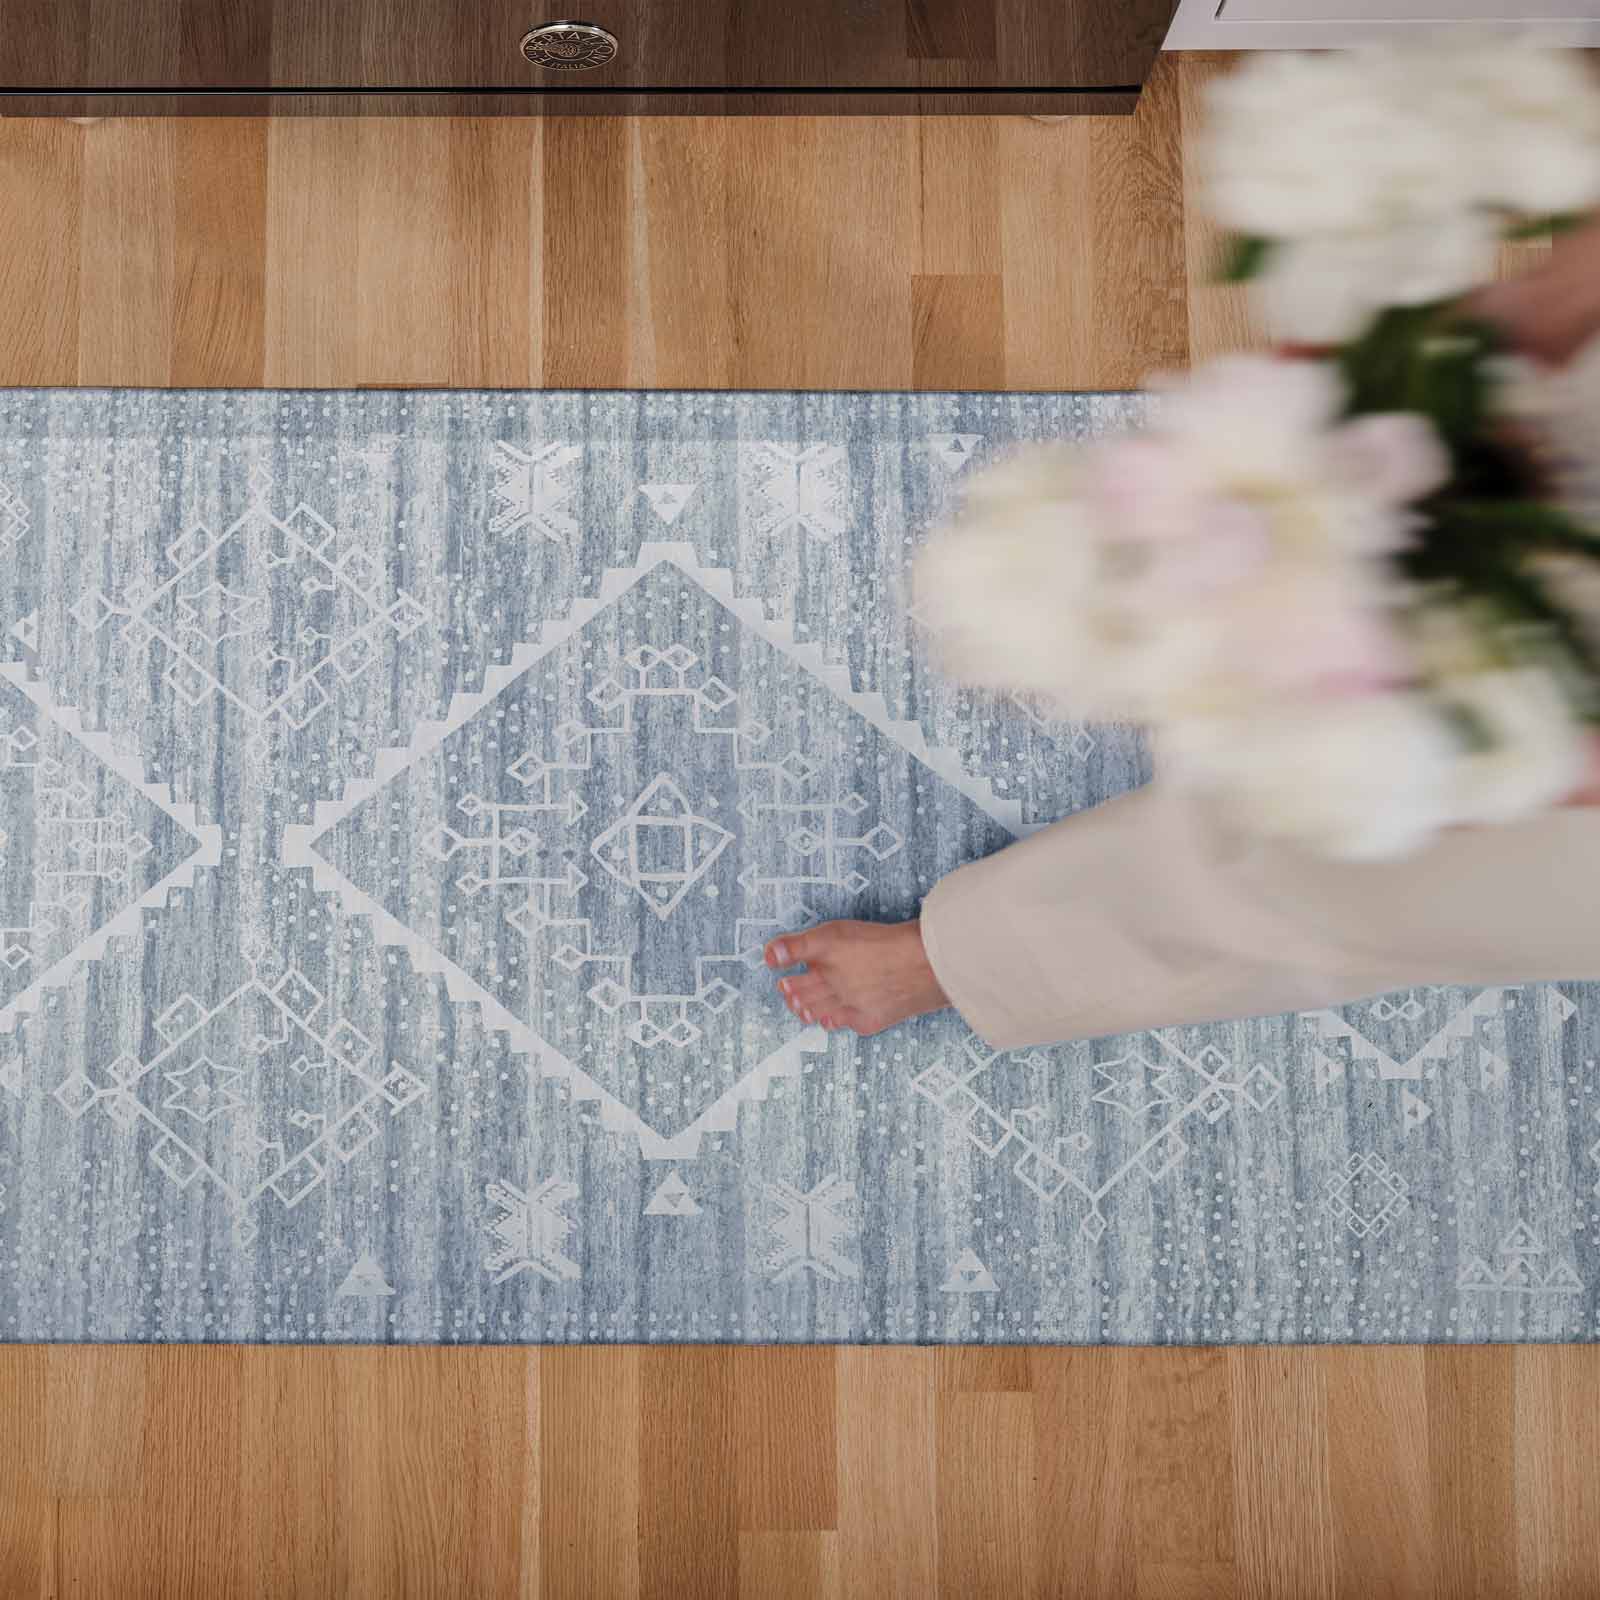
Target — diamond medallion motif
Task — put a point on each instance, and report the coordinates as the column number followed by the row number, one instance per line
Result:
column 623, row 767
column 661, row 848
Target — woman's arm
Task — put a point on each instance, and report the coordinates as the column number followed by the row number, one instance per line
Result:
column 1147, row 911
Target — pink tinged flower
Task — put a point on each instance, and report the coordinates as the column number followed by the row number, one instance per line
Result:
column 1242, row 415
column 1355, row 652
column 1140, row 488
column 1396, row 458
column 1314, row 640
column 1228, row 543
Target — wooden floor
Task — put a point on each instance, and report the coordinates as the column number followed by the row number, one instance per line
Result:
column 827, row 253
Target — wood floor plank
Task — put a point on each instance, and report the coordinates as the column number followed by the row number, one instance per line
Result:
column 296, row 1537
column 439, row 1511
column 683, row 328
column 312, row 283
column 789, row 1566
column 586, row 252
column 41, row 174
column 143, row 1461
column 406, row 264
column 982, row 1369
column 494, row 199
column 27, row 1509
column 1083, row 1455
column 27, row 1546
column 823, row 251
column 589, row 1458
column 1556, row 1449
column 785, row 1419
column 1471, row 1471
column 1377, row 1422
column 191, row 1522
column 1047, row 231
column 987, row 1506
column 1282, row 1506
column 960, row 181
column 688, row 1525
column 957, row 331
column 888, row 1477
column 219, row 321
column 1141, row 321
column 1186, row 1582
column 26, row 1410
column 95, row 1400
column 127, row 301
column 1181, row 1418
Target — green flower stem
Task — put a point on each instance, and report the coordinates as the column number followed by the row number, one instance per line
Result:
column 1246, row 255
column 1526, row 522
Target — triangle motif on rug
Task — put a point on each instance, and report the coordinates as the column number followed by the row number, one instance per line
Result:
column 672, row 1199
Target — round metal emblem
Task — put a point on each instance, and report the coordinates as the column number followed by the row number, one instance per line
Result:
column 569, row 46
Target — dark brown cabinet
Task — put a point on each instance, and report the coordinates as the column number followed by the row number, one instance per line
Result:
column 669, row 55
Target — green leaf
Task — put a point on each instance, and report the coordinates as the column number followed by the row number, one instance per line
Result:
column 1525, row 522
column 1431, row 360
column 1247, row 255
column 1539, row 227
column 1480, row 551
column 1380, row 368
column 1468, row 726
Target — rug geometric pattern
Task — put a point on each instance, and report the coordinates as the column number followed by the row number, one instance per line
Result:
column 396, row 792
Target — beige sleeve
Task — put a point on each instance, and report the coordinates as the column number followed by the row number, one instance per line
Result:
column 1145, row 912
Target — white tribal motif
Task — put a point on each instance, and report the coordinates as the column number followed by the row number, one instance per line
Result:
column 793, row 488
column 811, row 1229
column 261, row 1094
column 533, row 490
column 593, row 830
column 529, row 1231
column 211, row 640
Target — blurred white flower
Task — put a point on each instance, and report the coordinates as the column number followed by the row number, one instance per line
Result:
column 1226, row 555
column 1014, row 597
column 1297, row 145
column 1561, row 405
column 1373, row 776
column 1226, row 577
column 1574, row 584
column 1325, row 288
column 1536, row 752
column 1362, row 778
column 1534, row 114
column 1385, row 176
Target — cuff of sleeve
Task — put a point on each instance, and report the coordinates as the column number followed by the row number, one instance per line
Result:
column 1103, row 923
column 988, row 1017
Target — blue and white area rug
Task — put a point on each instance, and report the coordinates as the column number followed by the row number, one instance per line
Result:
column 395, row 793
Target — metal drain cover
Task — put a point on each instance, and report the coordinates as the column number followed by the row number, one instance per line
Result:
column 569, row 46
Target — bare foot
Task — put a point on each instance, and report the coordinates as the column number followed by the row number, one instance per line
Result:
column 866, row 976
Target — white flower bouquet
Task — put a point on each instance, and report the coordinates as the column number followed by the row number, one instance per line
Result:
column 1354, row 181
column 1339, row 585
